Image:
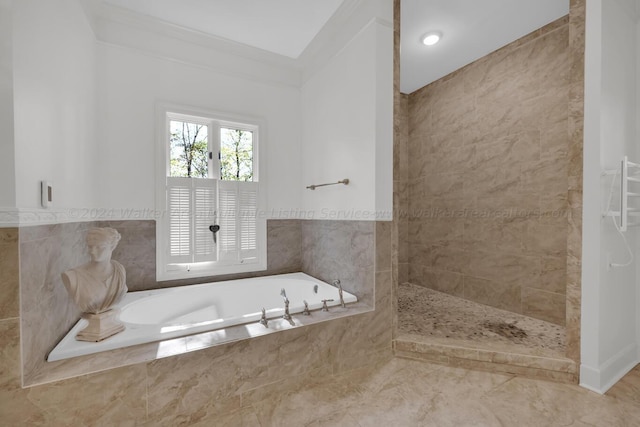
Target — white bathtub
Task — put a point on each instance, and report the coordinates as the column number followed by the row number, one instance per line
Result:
column 164, row 314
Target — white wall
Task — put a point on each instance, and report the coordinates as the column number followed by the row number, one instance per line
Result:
column 347, row 126
column 7, row 155
column 84, row 109
column 384, row 120
column 131, row 83
column 609, row 318
column 54, row 92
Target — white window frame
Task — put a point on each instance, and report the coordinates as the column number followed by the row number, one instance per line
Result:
column 214, row 120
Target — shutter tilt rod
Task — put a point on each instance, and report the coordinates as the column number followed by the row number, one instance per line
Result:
column 314, row 186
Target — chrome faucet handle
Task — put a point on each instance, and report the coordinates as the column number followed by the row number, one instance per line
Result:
column 306, row 311
column 286, row 315
column 325, row 307
column 338, row 285
column 263, row 320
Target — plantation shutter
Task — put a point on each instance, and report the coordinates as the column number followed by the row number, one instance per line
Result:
column 228, row 235
column 179, row 211
column 191, row 209
column 204, row 207
column 238, row 216
column 248, row 220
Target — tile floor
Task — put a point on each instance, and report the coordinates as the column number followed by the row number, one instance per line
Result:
column 403, row 392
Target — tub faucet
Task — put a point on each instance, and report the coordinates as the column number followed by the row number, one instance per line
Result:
column 286, row 315
column 325, row 307
column 306, row 311
column 337, row 284
column 263, row 320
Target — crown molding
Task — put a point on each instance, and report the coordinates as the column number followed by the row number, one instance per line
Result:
column 121, row 27
column 351, row 19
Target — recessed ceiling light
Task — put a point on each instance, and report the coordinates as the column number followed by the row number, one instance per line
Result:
column 431, row 38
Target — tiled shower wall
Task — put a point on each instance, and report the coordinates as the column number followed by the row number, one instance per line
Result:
column 203, row 384
column 488, row 178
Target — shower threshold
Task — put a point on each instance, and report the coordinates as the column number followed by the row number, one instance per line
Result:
column 442, row 328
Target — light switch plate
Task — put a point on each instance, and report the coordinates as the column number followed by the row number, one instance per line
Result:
column 46, row 194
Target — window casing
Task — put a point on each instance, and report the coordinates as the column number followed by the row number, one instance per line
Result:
column 207, row 189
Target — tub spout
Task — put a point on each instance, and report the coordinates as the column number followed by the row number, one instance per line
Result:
column 337, row 284
column 286, row 315
column 263, row 320
column 306, row 311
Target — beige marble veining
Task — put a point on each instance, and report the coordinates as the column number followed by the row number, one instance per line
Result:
column 412, row 393
column 487, row 179
column 46, row 310
column 69, row 368
column 628, row 388
column 399, row 225
column 391, row 392
column 345, row 250
column 577, row 17
column 9, row 283
column 193, row 380
column 10, row 355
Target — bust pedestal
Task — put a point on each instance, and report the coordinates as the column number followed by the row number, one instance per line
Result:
column 101, row 326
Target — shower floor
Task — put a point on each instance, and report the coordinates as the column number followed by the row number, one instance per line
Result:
column 428, row 315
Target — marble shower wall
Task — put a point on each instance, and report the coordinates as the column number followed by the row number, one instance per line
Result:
column 400, row 185
column 488, row 178
column 575, row 156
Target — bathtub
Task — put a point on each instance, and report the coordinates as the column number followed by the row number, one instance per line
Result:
column 163, row 314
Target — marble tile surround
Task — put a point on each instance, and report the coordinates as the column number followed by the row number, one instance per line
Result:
column 341, row 250
column 213, row 381
column 577, row 19
column 47, row 251
column 398, row 392
column 333, row 243
column 9, row 283
column 488, row 172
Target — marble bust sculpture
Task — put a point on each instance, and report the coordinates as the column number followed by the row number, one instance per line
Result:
column 97, row 285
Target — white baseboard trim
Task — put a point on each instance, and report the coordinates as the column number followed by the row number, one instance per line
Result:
column 602, row 378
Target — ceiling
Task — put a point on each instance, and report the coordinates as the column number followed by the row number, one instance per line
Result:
column 285, row 27
column 470, row 30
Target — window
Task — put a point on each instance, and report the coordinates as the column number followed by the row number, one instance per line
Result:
column 209, row 193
